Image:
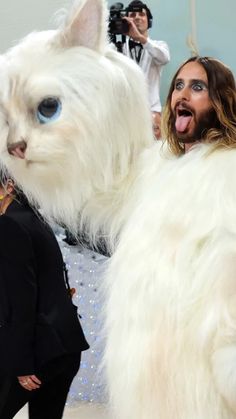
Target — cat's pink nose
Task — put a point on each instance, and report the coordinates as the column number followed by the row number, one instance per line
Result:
column 17, row 149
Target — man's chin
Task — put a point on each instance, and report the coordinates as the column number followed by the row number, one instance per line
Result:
column 184, row 138
column 187, row 140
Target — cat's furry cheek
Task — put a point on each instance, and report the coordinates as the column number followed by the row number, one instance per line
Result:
column 4, row 131
column 224, row 371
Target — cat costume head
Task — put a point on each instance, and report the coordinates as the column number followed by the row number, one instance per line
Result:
column 74, row 118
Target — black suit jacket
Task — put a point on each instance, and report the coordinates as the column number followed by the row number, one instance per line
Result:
column 38, row 321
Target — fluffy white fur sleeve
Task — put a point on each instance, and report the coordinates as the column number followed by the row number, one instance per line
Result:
column 171, row 314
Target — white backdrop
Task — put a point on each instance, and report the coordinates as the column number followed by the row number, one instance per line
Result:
column 210, row 24
column 19, row 17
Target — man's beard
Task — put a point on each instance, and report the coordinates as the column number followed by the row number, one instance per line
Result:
column 204, row 123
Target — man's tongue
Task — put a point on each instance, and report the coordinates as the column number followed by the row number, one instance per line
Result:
column 182, row 122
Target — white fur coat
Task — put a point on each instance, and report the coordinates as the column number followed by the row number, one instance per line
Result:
column 171, row 315
column 171, row 326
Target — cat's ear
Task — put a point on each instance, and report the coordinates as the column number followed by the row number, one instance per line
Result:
column 85, row 25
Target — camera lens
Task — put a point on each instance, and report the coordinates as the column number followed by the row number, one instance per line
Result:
column 118, row 26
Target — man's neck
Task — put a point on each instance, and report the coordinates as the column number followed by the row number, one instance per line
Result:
column 188, row 146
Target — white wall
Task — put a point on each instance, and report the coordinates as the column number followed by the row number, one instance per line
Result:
column 19, row 17
column 214, row 27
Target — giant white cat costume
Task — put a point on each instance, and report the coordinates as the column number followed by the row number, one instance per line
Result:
column 171, row 312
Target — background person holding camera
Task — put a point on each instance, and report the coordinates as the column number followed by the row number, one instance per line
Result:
column 128, row 30
column 149, row 54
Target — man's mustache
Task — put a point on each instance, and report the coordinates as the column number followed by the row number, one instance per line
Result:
column 184, row 106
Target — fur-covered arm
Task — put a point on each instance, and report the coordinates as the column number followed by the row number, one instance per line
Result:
column 221, row 315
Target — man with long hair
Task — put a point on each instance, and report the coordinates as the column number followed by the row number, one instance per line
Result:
column 201, row 106
column 176, row 262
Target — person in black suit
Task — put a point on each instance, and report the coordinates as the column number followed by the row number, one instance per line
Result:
column 41, row 338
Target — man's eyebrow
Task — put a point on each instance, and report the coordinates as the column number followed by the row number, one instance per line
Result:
column 199, row 81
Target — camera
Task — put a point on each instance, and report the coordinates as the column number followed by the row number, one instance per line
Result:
column 118, row 25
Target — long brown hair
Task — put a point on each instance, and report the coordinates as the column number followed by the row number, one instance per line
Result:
column 222, row 92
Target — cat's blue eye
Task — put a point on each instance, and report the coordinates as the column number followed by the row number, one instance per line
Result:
column 49, row 109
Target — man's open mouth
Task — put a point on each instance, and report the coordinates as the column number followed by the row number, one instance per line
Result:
column 184, row 112
column 183, row 119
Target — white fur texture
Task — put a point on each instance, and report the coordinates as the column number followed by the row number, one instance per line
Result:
column 171, row 348
column 79, row 168
column 171, row 315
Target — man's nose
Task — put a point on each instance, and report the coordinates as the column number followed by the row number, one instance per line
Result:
column 184, row 94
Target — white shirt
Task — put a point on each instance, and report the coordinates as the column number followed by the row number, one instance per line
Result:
column 153, row 56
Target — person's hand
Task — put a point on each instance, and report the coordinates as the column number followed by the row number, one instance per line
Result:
column 134, row 32
column 29, row 382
